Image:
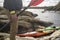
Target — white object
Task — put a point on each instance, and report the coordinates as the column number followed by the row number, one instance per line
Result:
column 1, row 3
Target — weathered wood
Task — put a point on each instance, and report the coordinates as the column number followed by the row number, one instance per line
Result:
column 13, row 26
column 4, row 17
column 4, row 34
column 3, row 11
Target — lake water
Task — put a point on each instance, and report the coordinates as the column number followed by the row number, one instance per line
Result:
column 51, row 16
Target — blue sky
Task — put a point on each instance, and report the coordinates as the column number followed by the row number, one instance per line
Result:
column 44, row 3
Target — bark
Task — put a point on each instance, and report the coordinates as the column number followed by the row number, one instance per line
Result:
column 13, row 26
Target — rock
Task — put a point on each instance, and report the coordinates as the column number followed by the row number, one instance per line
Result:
column 25, row 18
column 24, row 27
column 3, row 11
column 27, row 13
column 34, row 21
column 22, row 38
column 27, row 22
column 56, row 34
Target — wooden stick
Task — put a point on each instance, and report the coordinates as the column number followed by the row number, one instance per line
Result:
column 13, row 26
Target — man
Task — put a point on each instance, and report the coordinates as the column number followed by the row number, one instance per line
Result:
column 13, row 6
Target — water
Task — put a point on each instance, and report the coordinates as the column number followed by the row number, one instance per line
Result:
column 52, row 16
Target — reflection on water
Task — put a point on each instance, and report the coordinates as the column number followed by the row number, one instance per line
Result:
column 47, row 16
